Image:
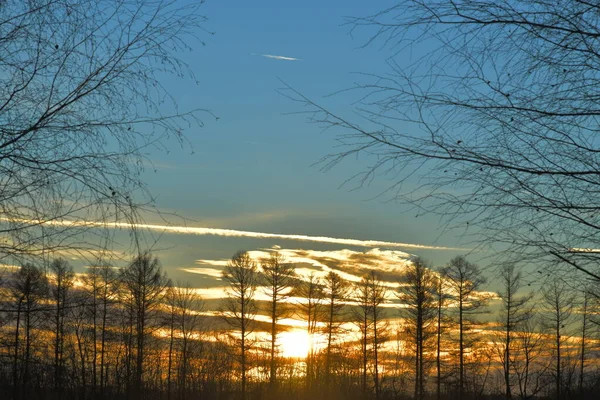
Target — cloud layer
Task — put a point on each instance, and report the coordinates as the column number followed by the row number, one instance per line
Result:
column 190, row 230
column 351, row 265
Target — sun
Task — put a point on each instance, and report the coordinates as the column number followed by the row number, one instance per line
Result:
column 294, row 343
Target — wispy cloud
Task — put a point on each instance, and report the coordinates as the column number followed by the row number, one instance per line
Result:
column 201, row 231
column 276, row 57
column 349, row 264
column 217, row 263
column 583, row 250
column 214, row 273
column 9, row 267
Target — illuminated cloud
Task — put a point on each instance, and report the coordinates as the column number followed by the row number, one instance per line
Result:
column 211, row 293
column 9, row 267
column 216, row 263
column 87, row 254
column 190, row 230
column 349, row 264
column 584, row 250
column 215, row 273
column 274, row 57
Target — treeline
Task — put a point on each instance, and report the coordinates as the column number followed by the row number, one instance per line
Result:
column 131, row 333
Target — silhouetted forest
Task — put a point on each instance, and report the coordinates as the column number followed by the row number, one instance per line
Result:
column 131, row 333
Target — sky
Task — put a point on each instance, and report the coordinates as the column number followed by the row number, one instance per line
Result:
column 256, row 169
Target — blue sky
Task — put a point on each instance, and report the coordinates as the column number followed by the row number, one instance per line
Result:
column 254, row 169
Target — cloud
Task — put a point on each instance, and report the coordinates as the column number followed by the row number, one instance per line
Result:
column 583, row 250
column 275, row 57
column 103, row 254
column 349, row 264
column 9, row 267
column 216, row 263
column 303, row 238
column 211, row 272
column 202, row 231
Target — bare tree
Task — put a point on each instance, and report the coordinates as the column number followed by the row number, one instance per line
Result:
column 529, row 362
column 145, row 283
column 585, row 311
column 278, row 277
column 100, row 284
column 335, row 293
column 170, row 297
column 441, row 298
column 369, row 294
column 464, row 280
column 63, row 282
column 183, row 321
column 240, row 307
column 362, row 318
column 311, row 310
column 28, row 287
column 82, row 98
column 515, row 311
column 489, row 111
column 188, row 305
column 83, row 345
column 559, row 305
column 377, row 296
column 417, row 290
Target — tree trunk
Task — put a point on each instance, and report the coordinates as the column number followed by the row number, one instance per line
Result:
column 375, row 353
column 583, row 337
column 243, row 315
column 16, row 354
column 558, row 361
column 140, row 355
column 329, row 341
column 461, row 345
column 273, row 368
column 507, row 349
column 57, row 380
column 170, row 362
column 25, row 380
column 438, row 348
column 102, row 344
column 364, row 354
column 95, row 340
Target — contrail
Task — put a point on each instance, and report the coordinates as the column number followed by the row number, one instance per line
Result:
column 276, row 57
column 189, row 230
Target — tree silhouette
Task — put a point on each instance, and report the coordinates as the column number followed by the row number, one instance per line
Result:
column 82, row 97
column 335, row 291
column 188, row 350
column 28, row 287
column 278, row 277
column 559, row 304
column 488, row 111
column 515, row 311
column 441, row 300
column 64, row 275
column 464, row 280
column 145, row 283
column 100, row 283
column 240, row 307
column 418, row 285
column 311, row 310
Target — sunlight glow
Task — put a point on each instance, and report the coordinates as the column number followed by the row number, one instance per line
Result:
column 294, row 344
